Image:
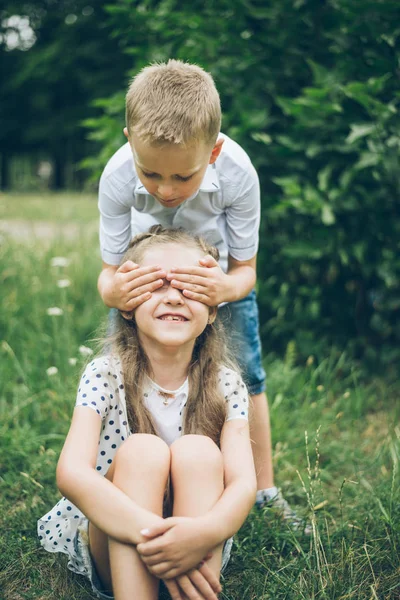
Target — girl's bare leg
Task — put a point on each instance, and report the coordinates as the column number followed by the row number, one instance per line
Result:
column 140, row 469
column 197, row 475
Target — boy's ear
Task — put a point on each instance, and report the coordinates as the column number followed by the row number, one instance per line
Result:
column 213, row 315
column 216, row 151
column 126, row 133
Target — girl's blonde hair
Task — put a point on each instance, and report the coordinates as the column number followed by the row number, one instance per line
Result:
column 173, row 103
column 205, row 410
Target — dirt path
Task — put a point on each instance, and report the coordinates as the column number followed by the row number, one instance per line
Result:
column 46, row 231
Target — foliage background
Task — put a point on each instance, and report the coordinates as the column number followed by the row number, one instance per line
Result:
column 308, row 87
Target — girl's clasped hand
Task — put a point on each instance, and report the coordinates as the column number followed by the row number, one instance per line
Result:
column 158, row 474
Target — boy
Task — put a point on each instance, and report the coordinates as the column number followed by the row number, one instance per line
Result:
column 185, row 173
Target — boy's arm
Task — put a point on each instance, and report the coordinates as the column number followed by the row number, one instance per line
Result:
column 210, row 285
column 124, row 286
column 127, row 286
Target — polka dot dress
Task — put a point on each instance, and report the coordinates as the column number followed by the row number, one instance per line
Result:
column 101, row 389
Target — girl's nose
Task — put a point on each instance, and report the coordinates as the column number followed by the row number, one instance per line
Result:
column 173, row 295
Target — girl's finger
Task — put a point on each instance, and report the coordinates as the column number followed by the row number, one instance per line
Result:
column 152, row 560
column 156, row 530
column 202, row 585
column 149, row 548
column 211, row 577
column 173, row 589
column 188, row 588
column 160, row 570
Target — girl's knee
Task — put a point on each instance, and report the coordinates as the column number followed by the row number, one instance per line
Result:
column 144, row 451
column 196, row 452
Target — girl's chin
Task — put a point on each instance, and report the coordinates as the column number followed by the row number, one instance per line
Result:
column 169, row 342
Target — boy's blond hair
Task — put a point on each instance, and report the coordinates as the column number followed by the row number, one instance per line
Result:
column 173, row 103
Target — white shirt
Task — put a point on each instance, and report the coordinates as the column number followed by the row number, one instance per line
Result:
column 102, row 389
column 225, row 210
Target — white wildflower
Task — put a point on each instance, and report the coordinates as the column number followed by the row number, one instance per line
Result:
column 55, row 311
column 85, row 351
column 72, row 361
column 52, row 371
column 63, row 283
column 59, row 261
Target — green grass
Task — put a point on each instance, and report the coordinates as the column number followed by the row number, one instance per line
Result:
column 336, row 443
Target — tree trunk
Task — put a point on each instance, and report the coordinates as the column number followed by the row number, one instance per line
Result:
column 4, row 171
column 58, row 179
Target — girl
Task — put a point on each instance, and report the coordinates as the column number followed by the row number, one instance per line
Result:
column 166, row 434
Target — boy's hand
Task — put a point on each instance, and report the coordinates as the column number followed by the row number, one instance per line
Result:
column 175, row 546
column 207, row 284
column 132, row 285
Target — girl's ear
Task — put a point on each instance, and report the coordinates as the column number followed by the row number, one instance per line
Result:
column 127, row 315
column 213, row 315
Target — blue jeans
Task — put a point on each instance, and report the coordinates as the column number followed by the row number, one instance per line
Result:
column 240, row 320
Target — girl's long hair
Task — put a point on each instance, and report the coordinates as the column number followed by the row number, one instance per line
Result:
column 205, row 410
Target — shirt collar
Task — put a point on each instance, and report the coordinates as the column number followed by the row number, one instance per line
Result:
column 182, row 391
column 210, row 183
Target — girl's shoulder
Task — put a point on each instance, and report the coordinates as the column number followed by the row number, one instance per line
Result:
column 230, row 378
column 228, row 373
column 235, row 394
column 107, row 364
column 101, row 386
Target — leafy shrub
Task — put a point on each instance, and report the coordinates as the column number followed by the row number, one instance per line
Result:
column 310, row 90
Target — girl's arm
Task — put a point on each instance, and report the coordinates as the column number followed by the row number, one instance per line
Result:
column 101, row 502
column 177, row 535
column 231, row 510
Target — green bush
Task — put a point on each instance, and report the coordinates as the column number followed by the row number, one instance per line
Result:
column 310, row 89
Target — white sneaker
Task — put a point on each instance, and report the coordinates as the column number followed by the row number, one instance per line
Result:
column 282, row 506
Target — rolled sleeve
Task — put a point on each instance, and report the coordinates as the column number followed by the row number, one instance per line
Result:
column 243, row 219
column 96, row 387
column 115, row 221
column 235, row 394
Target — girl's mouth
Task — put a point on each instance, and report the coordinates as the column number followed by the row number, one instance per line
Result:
column 179, row 318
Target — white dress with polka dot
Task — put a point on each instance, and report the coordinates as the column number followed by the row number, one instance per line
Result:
column 102, row 390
